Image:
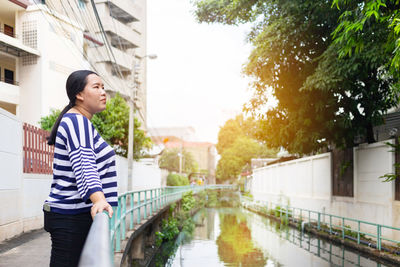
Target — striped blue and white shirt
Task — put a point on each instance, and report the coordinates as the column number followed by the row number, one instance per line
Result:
column 83, row 164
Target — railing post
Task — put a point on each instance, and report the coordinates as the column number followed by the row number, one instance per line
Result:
column 319, row 221
column 156, row 191
column 112, row 227
column 378, row 237
column 309, row 219
column 330, row 224
column 138, row 211
column 343, row 228
column 358, row 233
column 123, row 215
column 151, row 202
column 145, row 205
column 131, row 213
column 118, row 229
column 301, row 215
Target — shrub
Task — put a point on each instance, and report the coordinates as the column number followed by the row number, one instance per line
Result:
column 174, row 179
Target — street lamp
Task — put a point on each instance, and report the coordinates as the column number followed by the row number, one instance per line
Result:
column 132, row 114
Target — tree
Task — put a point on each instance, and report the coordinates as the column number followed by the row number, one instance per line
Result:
column 292, row 49
column 237, row 156
column 357, row 19
column 113, row 126
column 170, row 160
column 237, row 145
column 234, row 128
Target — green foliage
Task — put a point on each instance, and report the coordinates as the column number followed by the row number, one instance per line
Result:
column 113, row 125
column 174, row 179
column 349, row 232
column 169, row 230
column 321, row 100
column 237, row 147
column 170, row 160
column 47, row 122
column 188, row 201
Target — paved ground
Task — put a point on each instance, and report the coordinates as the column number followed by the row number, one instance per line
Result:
column 29, row 249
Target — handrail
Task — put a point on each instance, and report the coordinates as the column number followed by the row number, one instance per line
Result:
column 105, row 234
column 96, row 251
column 317, row 219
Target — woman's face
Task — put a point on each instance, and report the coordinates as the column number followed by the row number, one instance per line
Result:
column 93, row 96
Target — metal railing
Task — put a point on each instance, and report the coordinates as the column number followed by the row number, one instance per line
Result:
column 139, row 205
column 133, row 208
column 336, row 225
column 97, row 253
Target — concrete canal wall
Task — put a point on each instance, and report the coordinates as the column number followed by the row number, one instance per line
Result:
column 307, row 183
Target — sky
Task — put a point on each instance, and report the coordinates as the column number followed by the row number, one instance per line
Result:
column 196, row 79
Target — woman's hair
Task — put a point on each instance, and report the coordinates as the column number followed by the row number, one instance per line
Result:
column 76, row 82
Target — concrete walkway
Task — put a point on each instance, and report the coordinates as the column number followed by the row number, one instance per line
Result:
column 29, row 249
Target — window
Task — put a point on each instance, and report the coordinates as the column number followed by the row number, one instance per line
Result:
column 8, row 30
column 8, row 76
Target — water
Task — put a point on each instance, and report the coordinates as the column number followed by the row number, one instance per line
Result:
column 237, row 237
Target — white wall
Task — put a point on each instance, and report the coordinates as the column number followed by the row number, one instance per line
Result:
column 146, row 175
column 122, row 174
column 11, row 175
column 297, row 182
column 306, row 183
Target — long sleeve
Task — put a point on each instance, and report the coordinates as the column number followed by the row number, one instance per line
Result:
column 82, row 155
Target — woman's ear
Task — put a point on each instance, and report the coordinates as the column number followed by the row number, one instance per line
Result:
column 79, row 96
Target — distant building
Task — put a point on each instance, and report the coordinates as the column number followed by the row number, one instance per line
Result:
column 204, row 153
column 173, row 133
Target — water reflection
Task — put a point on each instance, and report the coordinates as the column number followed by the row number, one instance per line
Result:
column 234, row 243
column 236, row 237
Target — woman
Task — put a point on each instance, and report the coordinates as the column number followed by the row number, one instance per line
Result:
column 84, row 176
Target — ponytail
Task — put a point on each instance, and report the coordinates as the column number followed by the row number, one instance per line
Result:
column 51, row 139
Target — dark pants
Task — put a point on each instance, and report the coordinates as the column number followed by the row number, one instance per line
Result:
column 68, row 235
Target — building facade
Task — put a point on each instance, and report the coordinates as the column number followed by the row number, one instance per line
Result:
column 41, row 44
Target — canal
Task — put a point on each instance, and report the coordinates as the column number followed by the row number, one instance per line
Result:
column 238, row 237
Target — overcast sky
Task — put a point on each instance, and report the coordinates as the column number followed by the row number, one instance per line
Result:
column 196, row 79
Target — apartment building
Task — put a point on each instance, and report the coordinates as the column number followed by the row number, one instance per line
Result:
column 124, row 23
column 38, row 50
column 118, row 55
column 42, row 42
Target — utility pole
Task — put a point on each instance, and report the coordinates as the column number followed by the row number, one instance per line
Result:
column 132, row 95
column 131, row 136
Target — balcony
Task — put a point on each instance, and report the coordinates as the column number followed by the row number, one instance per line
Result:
column 125, row 11
column 11, row 43
column 123, row 59
column 119, row 33
column 9, row 92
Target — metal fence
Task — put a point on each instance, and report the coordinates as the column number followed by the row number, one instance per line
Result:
column 133, row 208
column 336, row 225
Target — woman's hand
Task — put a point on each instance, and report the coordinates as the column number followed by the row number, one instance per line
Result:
column 100, row 204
